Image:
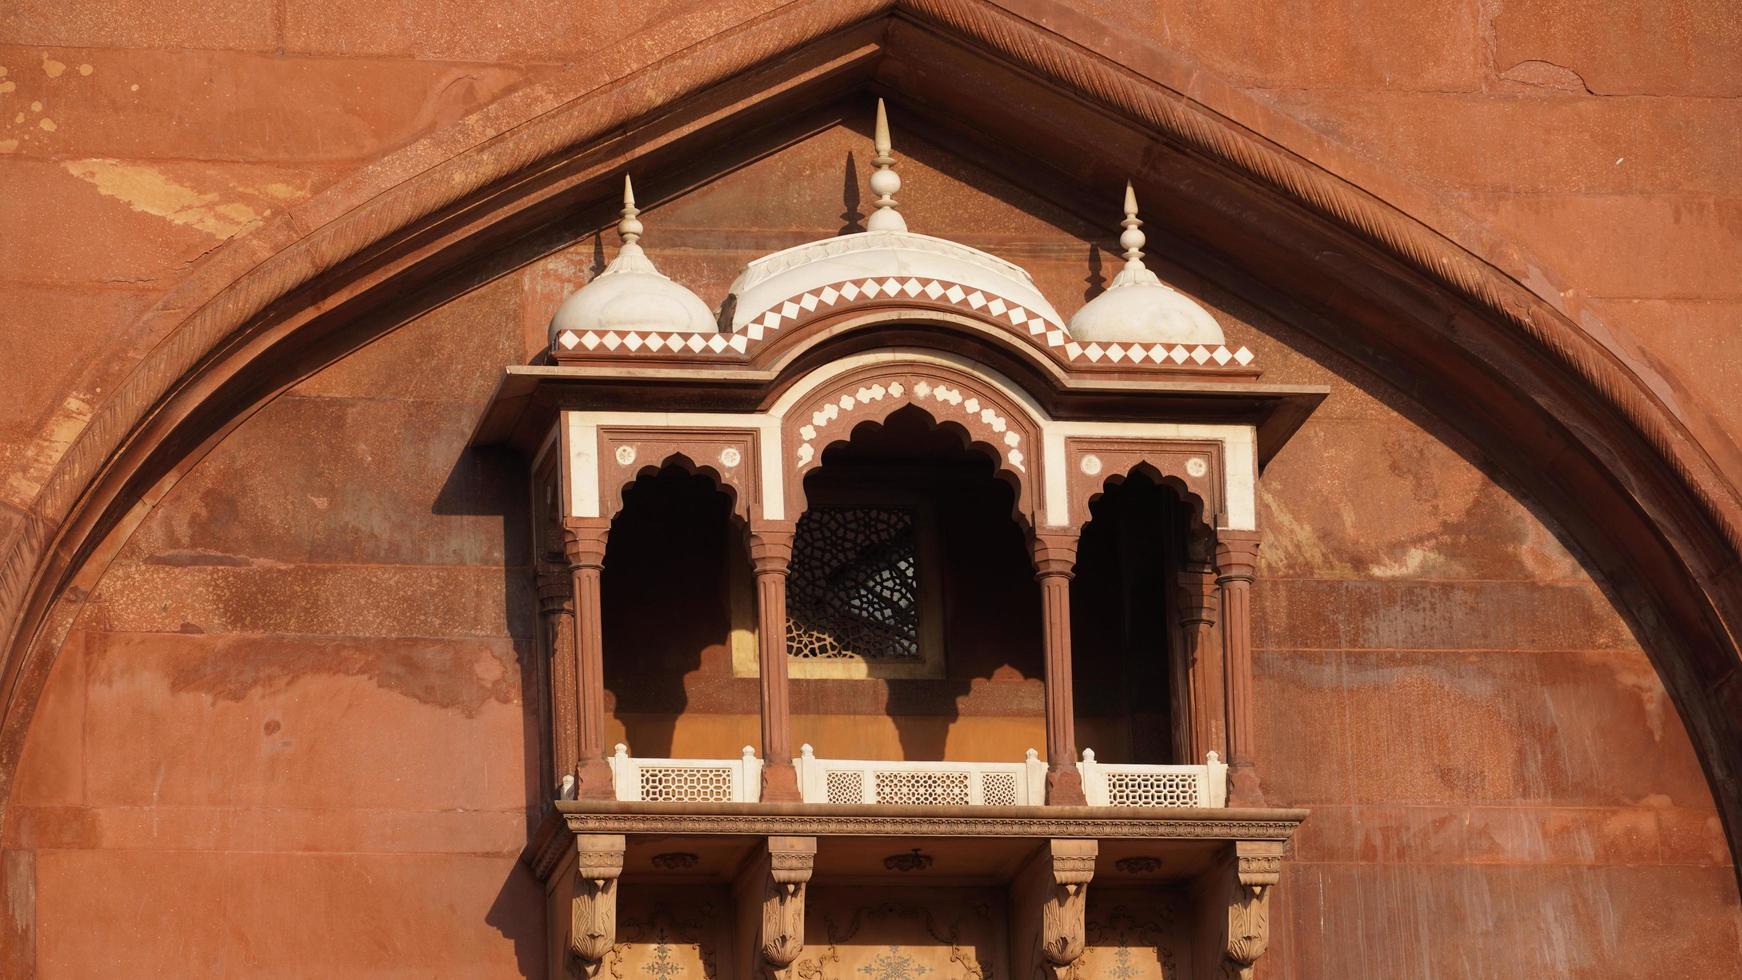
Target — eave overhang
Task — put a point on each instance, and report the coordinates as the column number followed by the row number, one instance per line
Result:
column 527, row 399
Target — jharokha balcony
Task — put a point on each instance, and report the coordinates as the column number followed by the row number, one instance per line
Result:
column 886, row 584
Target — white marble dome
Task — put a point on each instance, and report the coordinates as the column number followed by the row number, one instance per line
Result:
column 1138, row 308
column 631, row 295
column 775, row 279
column 1146, row 311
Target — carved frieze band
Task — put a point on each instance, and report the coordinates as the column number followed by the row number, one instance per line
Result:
column 646, row 821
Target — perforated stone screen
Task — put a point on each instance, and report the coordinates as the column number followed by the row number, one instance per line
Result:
column 853, row 588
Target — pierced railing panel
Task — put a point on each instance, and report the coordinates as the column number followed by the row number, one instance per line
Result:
column 687, row 780
column 1164, row 786
column 862, row 781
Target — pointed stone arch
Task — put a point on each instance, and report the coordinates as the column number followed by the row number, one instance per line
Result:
column 1644, row 489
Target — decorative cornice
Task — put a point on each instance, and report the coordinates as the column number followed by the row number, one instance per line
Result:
column 888, row 821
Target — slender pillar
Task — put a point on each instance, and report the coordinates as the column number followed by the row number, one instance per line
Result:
column 1201, row 652
column 770, row 555
column 584, row 544
column 1236, row 565
column 1055, row 561
column 556, row 607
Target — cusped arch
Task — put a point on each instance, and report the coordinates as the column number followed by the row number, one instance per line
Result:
column 1199, row 512
column 822, row 409
column 1645, row 490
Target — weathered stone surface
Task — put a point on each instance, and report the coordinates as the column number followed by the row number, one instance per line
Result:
column 1530, row 143
column 139, row 106
column 1494, row 727
column 295, row 701
column 1628, row 246
column 1689, row 48
column 162, row 913
column 429, row 500
column 1667, row 921
column 546, row 30
column 1309, row 45
column 236, row 24
column 322, row 723
column 161, row 215
column 195, row 595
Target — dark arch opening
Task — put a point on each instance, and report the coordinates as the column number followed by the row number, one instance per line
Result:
column 973, row 691
column 667, row 597
column 1125, row 652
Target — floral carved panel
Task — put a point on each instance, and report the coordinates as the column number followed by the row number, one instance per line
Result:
column 668, row 936
column 1132, row 934
column 903, row 934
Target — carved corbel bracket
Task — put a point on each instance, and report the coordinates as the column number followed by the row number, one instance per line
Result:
column 775, row 882
column 1052, row 895
column 1257, row 868
column 593, row 907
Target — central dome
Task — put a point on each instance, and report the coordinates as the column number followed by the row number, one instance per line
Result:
column 908, row 262
column 884, row 260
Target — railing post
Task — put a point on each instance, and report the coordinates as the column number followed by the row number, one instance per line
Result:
column 1055, row 561
column 584, row 546
column 1035, row 785
column 623, row 774
column 771, row 554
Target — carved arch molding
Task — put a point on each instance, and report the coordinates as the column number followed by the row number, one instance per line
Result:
column 1369, row 264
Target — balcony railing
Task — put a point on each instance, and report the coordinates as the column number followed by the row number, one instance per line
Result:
column 862, row 781
column 687, row 780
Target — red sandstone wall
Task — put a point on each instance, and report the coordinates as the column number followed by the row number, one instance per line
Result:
column 287, row 736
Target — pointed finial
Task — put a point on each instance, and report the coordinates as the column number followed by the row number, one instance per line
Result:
column 629, row 228
column 1132, row 239
column 884, row 180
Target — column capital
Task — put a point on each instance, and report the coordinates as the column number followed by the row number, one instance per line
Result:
column 584, row 541
column 1237, row 555
column 771, row 545
column 1055, row 552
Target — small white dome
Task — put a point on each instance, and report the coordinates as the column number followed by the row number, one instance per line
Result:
column 632, row 295
column 1145, row 310
column 1140, row 308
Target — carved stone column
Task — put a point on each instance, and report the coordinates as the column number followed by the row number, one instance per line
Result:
column 1258, row 867
column 1236, row 565
column 1051, row 894
column 771, row 555
column 1055, row 561
column 556, row 608
column 1202, row 654
column 771, row 895
column 584, row 544
column 593, row 905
